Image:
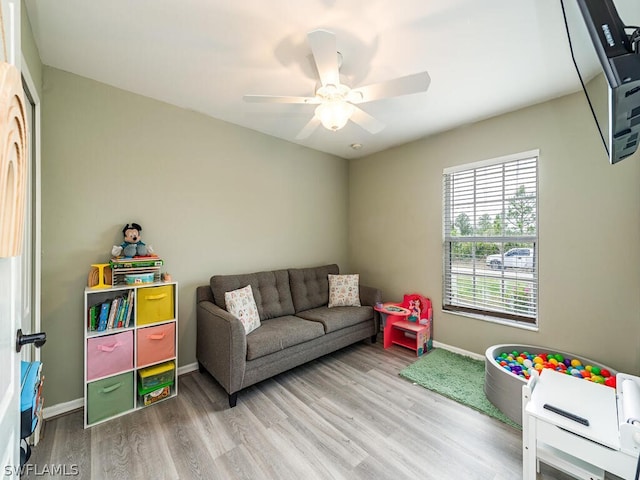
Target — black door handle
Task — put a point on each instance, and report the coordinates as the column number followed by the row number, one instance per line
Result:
column 37, row 339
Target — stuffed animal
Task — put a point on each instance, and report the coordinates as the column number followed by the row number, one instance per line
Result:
column 133, row 245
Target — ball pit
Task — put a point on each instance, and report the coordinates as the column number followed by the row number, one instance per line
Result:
column 503, row 382
column 523, row 363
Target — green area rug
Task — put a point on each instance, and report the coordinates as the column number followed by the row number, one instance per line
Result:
column 455, row 376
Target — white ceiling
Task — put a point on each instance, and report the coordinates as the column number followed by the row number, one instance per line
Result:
column 484, row 57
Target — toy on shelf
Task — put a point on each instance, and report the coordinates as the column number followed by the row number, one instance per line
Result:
column 132, row 246
column 133, row 261
column 99, row 276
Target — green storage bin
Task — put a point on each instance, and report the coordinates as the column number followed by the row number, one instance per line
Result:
column 109, row 397
column 151, row 395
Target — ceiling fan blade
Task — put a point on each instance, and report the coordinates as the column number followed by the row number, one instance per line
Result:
column 366, row 121
column 325, row 53
column 279, row 99
column 418, row 82
column 309, row 128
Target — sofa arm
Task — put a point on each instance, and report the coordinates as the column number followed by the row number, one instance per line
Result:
column 221, row 346
column 370, row 295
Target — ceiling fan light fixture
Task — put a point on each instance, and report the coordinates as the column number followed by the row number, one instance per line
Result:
column 336, row 102
column 333, row 92
column 334, row 114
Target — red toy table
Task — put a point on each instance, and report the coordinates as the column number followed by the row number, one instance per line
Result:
column 397, row 330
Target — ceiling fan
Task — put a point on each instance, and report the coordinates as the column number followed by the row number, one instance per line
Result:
column 337, row 102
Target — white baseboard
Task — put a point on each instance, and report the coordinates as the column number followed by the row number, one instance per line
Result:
column 62, row 408
column 192, row 367
column 66, row 407
column 457, row 350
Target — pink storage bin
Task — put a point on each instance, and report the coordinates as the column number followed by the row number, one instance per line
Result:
column 156, row 344
column 109, row 354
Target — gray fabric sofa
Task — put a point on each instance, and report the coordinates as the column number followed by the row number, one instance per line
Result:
column 296, row 325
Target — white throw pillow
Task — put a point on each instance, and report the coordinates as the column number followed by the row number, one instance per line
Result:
column 241, row 304
column 344, row 290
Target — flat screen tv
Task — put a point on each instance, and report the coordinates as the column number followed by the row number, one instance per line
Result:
column 616, row 45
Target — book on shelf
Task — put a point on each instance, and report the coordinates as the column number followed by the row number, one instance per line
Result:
column 92, row 317
column 127, row 320
column 104, row 316
column 135, row 262
column 119, row 314
column 112, row 312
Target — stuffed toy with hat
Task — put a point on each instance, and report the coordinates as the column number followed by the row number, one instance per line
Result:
column 132, row 246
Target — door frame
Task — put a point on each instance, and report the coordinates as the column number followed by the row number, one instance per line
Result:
column 34, row 228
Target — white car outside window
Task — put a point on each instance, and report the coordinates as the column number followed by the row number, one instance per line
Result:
column 513, row 258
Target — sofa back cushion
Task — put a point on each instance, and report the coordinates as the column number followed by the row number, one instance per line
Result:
column 271, row 291
column 310, row 286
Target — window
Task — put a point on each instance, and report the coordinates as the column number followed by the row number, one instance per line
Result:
column 491, row 238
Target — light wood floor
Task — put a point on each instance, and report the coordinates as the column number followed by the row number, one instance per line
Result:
column 348, row 415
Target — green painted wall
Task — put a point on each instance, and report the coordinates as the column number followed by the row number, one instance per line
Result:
column 212, row 198
column 589, row 230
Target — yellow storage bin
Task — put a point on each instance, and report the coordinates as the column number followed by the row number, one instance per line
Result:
column 155, row 304
column 156, row 375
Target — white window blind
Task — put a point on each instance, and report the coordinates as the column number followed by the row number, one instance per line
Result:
column 491, row 238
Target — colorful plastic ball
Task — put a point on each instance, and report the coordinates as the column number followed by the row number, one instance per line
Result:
column 522, row 364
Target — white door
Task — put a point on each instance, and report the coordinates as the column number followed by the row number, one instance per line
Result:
column 10, row 361
column 10, row 303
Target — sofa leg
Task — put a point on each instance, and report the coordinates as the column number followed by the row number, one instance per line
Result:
column 233, row 398
column 374, row 338
column 201, row 368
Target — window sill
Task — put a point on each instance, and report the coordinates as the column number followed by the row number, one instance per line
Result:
column 499, row 321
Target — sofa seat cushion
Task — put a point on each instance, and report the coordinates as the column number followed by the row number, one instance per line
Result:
column 280, row 333
column 337, row 318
